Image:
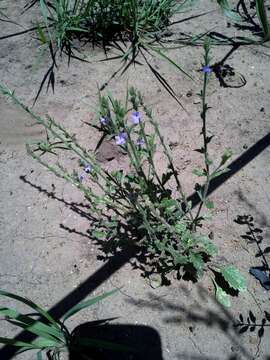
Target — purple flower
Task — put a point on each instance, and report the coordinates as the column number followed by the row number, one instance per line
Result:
column 88, row 168
column 136, row 117
column 140, row 142
column 121, row 138
column 104, row 120
column 206, row 69
column 81, row 177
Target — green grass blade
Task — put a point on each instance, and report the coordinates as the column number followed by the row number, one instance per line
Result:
column 228, row 12
column 13, row 342
column 262, row 16
column 38, row 344
column 41, row 35
column 170, row 61
column 32, row 305
column 43, row 10
column 86, row 304
column 35, row 326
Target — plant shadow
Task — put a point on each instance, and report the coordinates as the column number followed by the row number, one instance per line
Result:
column 142, row 342
column 201, row 313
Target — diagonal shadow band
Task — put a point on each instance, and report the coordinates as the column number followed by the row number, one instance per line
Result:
column 74, row 297
column 115, row 263
column 234, row 167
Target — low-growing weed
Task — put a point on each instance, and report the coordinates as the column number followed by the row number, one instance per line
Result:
column 150, row 205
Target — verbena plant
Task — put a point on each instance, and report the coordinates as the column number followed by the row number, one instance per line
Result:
column 53, row 337
column 164, row 226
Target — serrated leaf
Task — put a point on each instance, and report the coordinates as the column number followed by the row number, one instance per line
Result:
column 198, row 263
column 234, row 278
column 241, row 318
column 207, row 245
column 222, row 297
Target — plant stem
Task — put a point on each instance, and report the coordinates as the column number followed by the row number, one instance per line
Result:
column 205, row 138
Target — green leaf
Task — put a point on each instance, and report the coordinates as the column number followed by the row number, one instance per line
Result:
column 234, row 278
column 13, row 342
column 43, row 343
column 222, row 297
column 198, row 263
column 209, row 248
column 38, row 344
column 226, row 156
column 180, row 259
column 228, row 12
column 199, row 172
column 169, row 204
column 219, row 172
column 262, row 15
column 209, row 204
column 86, row 304
column 180, row 227
column 41, row 34
column 98, row 234
column 31, row 305
column 34, row 326
column 170, row 61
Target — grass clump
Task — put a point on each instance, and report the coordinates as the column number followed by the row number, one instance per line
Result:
column 53, row 336
column 130, row 26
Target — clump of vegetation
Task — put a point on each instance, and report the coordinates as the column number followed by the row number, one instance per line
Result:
column 53, row 337
column 140, row 202
column 130, row 26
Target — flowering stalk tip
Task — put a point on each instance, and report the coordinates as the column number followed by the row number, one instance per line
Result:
column 121, row 138
column 136, row 117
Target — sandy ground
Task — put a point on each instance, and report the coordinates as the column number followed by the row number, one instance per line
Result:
column 45, row 253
